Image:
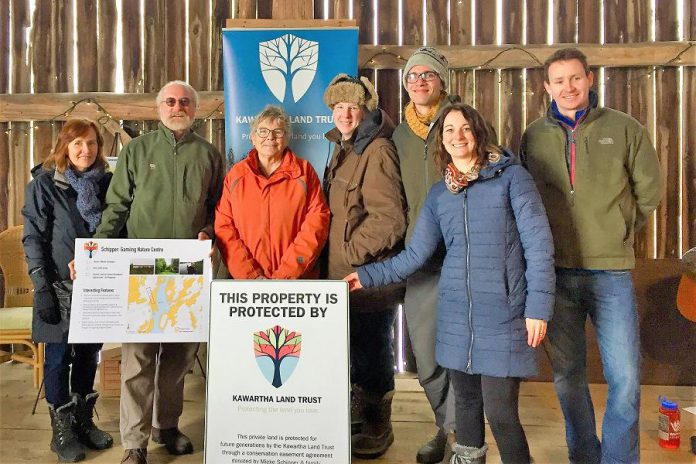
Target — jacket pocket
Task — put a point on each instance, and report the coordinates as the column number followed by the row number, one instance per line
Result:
column 194, row 183
column 354, row 210
column 629, row 219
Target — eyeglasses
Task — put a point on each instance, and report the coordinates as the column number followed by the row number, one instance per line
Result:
column 171, row 101
column 426, row 76
column 263, row 132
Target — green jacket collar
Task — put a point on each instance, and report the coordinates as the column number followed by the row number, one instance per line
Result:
column 169, row 135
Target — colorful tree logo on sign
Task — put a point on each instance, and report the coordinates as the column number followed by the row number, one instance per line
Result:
column 91, row 247
column 277, row 352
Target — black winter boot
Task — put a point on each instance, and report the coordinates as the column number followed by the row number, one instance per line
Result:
column 376, row 435
column 87, row 432
column 356, row 409
column 64, row 442
column 434, row 450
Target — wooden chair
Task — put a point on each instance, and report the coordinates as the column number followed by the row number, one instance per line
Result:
column 16, row 313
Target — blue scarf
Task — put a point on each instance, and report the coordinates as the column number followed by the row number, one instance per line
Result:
column 87, row 188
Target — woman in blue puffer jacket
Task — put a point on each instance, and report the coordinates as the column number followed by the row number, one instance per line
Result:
column 496, row 288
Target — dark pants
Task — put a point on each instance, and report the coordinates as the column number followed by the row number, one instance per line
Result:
column 498, row 396
column 60, row 380
column 420, row 308
column 371, row 350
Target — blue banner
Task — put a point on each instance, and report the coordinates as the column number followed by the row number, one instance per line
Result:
column 289, row 68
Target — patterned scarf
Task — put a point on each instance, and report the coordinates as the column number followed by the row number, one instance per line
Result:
column 457, row 181
column 87, row 188
column 420, row 125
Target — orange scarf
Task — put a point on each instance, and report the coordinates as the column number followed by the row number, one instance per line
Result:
column 420, row 125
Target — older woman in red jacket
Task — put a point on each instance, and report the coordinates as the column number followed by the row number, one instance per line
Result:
column 272, row 220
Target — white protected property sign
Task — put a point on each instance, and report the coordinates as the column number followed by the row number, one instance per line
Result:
column 278, row 373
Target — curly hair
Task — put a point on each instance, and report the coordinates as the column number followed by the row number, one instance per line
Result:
column 484, row 134
column 58, row 158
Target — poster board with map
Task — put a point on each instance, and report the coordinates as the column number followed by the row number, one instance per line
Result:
column 140, row 291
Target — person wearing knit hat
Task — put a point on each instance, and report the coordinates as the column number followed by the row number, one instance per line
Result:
column 431, row 59
column 363, row 186
column 425, row 78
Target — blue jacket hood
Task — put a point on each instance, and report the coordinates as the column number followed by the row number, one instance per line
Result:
column 507, row 158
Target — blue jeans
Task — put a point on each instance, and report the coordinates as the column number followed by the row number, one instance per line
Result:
column 60, row 380
column 607, row 297
column 372, row 350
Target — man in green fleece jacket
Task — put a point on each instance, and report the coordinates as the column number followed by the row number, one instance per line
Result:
column 426, row 76
column 599, row 178
column 166, row 185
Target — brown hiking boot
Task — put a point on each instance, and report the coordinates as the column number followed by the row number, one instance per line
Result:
column 135, row 456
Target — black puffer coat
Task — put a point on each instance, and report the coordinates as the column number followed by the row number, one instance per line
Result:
column 51, row 225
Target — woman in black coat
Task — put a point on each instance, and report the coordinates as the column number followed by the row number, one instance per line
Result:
column 64, row 202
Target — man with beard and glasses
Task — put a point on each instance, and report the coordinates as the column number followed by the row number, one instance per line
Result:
column 166, row 185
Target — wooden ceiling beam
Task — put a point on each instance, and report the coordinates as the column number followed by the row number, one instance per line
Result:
column 118, row 106
column 533, row 56
column 141, row 107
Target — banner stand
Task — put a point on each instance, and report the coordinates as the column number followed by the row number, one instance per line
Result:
column 288, row 63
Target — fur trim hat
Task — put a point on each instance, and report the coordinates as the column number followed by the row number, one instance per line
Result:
column 431, row 58
column 345, row 88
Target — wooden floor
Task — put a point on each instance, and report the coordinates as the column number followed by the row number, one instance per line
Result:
column 24, row 438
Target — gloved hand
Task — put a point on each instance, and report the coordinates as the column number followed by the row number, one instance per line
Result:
column 45, row 301
column 46, row 306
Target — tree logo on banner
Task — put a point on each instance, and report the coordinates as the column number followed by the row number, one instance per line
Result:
column 288, row 63
column 277, row 352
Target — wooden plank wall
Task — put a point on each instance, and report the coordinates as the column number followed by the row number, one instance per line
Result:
column 153, row 50
column 36, row 55
column 689, row 131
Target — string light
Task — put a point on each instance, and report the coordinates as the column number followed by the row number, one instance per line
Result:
column 201, row 121
column 372, row 59
column 106, row 117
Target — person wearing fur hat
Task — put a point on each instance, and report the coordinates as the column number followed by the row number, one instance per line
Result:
column 425, row 78
column 363, row 186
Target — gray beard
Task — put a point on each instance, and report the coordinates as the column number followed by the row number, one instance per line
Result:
column 178, row 124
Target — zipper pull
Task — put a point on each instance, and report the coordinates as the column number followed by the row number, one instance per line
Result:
column 572, row 197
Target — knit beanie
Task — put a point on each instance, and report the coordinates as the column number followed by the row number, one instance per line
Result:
column 345, row 88
column 431, row 58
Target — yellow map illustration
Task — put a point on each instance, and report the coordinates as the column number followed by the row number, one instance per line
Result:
column 164, row 303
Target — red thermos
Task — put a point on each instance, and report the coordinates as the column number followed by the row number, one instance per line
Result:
column 668, row 426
